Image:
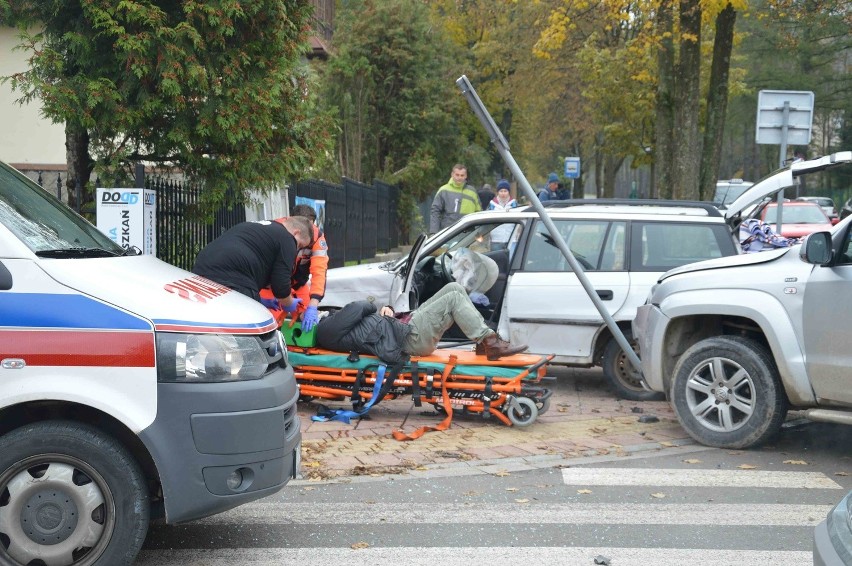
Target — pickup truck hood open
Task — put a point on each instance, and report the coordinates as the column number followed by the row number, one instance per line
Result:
column 170, row 298
column 730, row 261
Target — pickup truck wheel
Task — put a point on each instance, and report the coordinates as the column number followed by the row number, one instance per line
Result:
column 621, row 375
column 726, row 393
column 69, row 496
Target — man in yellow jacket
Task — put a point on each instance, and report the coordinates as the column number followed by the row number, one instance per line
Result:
column 453, row 201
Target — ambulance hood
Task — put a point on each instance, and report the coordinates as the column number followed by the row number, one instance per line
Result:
column 172, row 299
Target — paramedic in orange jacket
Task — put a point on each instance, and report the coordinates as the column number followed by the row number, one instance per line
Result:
column 311, row 262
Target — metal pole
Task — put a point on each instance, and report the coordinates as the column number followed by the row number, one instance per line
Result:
column 503, row 148
column 785, row 123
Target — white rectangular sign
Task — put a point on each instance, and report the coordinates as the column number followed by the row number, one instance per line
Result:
column 770, row 117
column 129, row 217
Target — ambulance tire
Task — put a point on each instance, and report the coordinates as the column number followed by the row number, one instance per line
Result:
column 522, row 411
column 90, row 506
column 623, row 379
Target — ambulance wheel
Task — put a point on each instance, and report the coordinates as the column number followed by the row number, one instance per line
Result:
column 69, row 496
column 522, row 412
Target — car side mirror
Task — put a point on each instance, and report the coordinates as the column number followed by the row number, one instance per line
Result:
column 816, row 248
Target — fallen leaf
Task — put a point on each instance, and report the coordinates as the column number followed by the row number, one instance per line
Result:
column 692, row 461
column 308, row 488
column 584, row 491
column 511, row 489
column 841, row 473
column 658, row 495
column 747, row 467
column 472, row 493
column 666, row 443
column 421, row 468
column 796, row 462
column 735, row 452
column 313, row 464
column 502, row 474
column 599, row 429
column 563, row 409
column 522, row 501
column 361, row 544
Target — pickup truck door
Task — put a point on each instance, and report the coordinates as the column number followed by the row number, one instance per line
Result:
column 827, row 326
column 548, row 308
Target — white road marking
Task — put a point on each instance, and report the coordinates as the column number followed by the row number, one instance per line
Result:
column 697, row 478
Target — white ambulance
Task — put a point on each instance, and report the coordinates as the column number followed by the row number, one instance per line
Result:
column 129, row 390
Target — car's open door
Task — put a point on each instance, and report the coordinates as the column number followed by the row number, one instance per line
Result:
column 401, row 298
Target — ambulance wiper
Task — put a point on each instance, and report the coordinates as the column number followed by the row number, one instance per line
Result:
column 76, row 252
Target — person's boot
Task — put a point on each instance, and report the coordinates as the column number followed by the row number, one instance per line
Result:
column 494, row 347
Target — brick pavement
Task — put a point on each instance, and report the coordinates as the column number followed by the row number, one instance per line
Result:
column 584, row 420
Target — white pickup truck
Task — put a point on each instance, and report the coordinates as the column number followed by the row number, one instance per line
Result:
column 736, row 342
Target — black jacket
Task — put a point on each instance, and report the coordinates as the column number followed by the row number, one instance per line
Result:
column 249, row 257
column 358, row 328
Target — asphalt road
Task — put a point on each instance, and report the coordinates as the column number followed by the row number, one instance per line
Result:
column 685, row 505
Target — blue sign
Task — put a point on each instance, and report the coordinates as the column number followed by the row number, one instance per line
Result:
column 572, row 167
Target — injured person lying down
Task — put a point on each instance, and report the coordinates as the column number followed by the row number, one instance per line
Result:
column 358, row 327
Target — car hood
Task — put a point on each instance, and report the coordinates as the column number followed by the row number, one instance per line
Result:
column 345, row 284
column 730, row 261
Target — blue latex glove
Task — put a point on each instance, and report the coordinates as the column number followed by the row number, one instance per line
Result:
column 270, row 303
column 310, row 318
column 293, row 305
column 479, row 299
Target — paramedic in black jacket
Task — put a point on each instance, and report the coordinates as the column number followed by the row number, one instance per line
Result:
column 254, row 255
column 357, row 327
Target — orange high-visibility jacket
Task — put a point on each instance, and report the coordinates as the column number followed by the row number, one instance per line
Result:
column 313, row 263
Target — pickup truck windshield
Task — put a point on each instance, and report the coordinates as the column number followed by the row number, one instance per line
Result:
column 44, row 224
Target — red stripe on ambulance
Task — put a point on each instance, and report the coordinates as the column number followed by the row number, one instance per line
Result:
column 88, row 348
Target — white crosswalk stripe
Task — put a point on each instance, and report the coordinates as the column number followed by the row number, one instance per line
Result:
column 657, row 532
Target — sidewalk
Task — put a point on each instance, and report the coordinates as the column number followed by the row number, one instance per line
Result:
column 584, row 420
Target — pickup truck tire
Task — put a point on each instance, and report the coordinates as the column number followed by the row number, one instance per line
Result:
column 622, row 377
column 69, row 496
column 726, row 393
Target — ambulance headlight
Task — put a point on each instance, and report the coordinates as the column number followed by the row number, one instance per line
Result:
column 200, row 358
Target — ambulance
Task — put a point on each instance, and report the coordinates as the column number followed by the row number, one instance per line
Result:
column 130, row 390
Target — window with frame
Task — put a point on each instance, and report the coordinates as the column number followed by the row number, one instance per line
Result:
column 597, row 246
column 663, row 246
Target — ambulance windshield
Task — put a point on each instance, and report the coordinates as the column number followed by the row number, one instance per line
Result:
column 43, row 223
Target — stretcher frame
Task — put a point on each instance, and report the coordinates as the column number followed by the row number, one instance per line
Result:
column 508, row 389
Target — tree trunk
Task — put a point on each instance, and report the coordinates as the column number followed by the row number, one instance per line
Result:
column 611, row 166
column 80, row 166
column 717, row 101
column 664, row 121
column 687, row 140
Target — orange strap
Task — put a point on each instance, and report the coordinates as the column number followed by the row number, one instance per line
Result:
column 443, row 425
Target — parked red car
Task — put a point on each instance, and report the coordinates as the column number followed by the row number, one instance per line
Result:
column 798, row 218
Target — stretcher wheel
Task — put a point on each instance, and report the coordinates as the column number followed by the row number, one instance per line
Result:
column 543, row 406
column 522, row 411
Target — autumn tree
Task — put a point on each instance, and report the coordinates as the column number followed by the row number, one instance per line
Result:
column 214, row 88
column 390, row 84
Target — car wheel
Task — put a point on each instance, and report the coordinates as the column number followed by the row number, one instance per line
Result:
column 69, row 496
column 621, row 375
column 727, row 393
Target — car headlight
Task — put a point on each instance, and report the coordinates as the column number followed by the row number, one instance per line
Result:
column 205, row 358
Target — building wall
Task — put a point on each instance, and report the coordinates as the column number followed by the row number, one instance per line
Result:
column 25, row 137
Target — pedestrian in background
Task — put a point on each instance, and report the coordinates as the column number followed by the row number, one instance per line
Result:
column 453, row 200
column 502, row 202
column 551, row 189
column 485, row 196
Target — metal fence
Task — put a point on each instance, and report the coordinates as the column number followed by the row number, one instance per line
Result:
column 360, row 219
column 179, row 237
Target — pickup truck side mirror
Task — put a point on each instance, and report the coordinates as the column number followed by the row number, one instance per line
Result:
column 816, row 248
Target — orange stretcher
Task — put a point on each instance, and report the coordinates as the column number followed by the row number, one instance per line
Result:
column 508, row 389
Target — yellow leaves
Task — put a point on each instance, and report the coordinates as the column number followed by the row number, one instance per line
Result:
column 692, row 461
column 796, row 462
column 359, row 545
column 584, row 491
column 522, row 501
column 747, row 467
column 502, row 474
column 658, row 495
